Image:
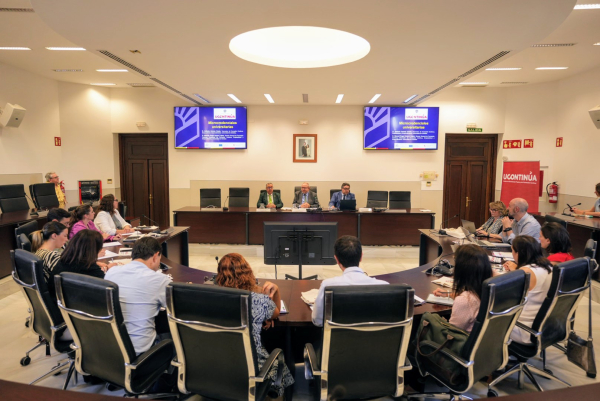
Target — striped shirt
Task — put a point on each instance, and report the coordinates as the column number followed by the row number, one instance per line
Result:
column 50, row 259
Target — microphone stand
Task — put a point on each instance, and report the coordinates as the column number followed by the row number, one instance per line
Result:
column 225, row 208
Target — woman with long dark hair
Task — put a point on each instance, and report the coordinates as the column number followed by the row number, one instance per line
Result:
column 46, row 242
column 235, row 272
column 554, row 239
column 472, row 268
column 109, row 220
column 82, row 218
column 528, row 256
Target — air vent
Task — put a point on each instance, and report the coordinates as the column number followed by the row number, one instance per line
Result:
column 192, row 100
column 16, row 10
column 158, row 81
column 125, row 63
column 472, row 70
column 554, row 45
column 202, row 98
column 142, row 85
column 513, row 83
column 67, row 70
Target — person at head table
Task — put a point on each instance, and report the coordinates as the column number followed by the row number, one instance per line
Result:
column 522, row 224
column 269, row 198
column 305, row 197
column 53, row 178
column 344, row 194
column 109, row 220
column 494, row 223
column 595, row 210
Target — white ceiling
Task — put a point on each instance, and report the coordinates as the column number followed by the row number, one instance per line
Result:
column 416, row 45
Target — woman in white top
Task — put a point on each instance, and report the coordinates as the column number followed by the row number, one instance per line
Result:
column 108, row 220
column 527, row 252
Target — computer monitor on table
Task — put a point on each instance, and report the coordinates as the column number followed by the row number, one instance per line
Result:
column 299, row 244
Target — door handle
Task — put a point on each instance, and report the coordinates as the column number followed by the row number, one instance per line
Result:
column 151, row 198
column 468, row 200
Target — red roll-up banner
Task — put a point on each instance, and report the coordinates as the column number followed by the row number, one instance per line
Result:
column 521, row 180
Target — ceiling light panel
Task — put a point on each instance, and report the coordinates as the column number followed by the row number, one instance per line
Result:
column 410, row 98
column 141, row 85
column 552, row 68
column 554, row 45
column 66, row 48
column 374, row 98
column 339, row 98
column 269, row 98
column 67, row 70
column 15, row 48
column 103, row 84
column 474, row 83
column 235, row 99
column 587, row 7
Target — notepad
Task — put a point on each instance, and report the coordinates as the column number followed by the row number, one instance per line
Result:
column 444, row 282
column 503, row 255
column 114, row 243
column 418, row 301
column 310, row 296
column 432, row 299
column 283, row 310
column 109, row 255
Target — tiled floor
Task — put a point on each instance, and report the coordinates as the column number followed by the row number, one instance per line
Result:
column 16, row 339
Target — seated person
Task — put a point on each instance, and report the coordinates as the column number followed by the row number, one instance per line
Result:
column 81, row 256
column 554, row 239
column 109, row 220
column 46, row 242
column 235, row 272
column 348, row 255
column 305, row 197
column 523, row 223
column 344, row 194
column 63, row 217
column 472, row 268
column 494, row 223
column 53, row 178
column 82, row 219
column 269, row 198
column 142, row 292
column 595, row 210
column 527, row 252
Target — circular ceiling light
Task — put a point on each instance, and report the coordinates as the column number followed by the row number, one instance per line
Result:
column 299, row 47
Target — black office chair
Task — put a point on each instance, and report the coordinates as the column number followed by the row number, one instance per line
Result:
column 366, row 331
column 486, row 349
column 275, row 190
column 123, row 209
column 92, row 311
column 239, row 197
column 590, row 249
column 12, row 198
column 332, row 191
column 311, row 188
column 377, row 199
column 22, row 234
column 553, row 321
column 210, row 197
column 44, row 195
column 552, row 219
column 225, row 368
column 399, row 199
column 45, row 319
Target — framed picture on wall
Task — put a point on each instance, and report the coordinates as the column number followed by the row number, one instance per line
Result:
column 305, row 148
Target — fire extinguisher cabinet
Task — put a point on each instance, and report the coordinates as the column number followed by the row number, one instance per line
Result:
column 90, row 191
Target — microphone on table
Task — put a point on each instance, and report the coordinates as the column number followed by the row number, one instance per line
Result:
column 225, row 208
column 152, row 221
column 571, row 207
column 33, row 211
column 441, row 231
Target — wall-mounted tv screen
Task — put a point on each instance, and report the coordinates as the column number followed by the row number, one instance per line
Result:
column 211, row 128
column 400, row 128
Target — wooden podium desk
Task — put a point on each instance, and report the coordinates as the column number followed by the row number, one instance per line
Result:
column 243, row 225
column 8, row 223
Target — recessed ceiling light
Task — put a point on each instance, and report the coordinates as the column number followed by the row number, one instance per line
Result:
column 112, row 70
column 103, row 84
column 66, row 48
column 67, row 70
column 339, row 98
column 410, row 98
column 299, row 47
column 503, row 69
column 552, row 68
column 586, row 6
column 597, row 44
column 269, row 98
column 553, row 45
column 15, row 48
column 474, row 83
column 235, row 99
column 374, row 98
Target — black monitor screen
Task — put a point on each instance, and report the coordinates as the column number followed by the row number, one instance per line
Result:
column 286, row 243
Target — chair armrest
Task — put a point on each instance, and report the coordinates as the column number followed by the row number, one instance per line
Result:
column 276, row 355
column 528, row 329
column 448, row 353
column 311, row 363
column 160, row 350
column 407, row 365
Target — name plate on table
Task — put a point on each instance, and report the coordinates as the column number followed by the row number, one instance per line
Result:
column 212, row 209
column 299, row 210
column 365, row 209
column 268, row 210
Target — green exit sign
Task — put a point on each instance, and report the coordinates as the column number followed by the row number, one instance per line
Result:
column 474, row 129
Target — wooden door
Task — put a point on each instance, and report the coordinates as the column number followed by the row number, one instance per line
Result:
column 469, row 177
column 145, row 176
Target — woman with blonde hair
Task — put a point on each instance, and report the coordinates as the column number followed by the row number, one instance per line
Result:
column 494, row 224
column 235, row 272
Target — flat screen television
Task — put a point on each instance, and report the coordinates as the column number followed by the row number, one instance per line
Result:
column 211, row 128
column 401, row 128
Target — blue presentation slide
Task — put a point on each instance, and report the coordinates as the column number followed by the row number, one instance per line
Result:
column 211, row 127
column 401, row 128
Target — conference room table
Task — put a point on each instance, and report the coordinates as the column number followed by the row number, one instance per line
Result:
column 244, row 225
column 8, row 223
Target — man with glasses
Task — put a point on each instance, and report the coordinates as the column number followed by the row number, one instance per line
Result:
column 53, row 178
column 344, row 194
column 305, row 197
column 269, row 198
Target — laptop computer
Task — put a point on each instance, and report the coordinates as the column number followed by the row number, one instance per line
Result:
column 348, row 204
column 469, row 226
column 472, row 238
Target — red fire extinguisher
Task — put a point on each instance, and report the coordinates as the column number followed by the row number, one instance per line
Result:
column 552, row 191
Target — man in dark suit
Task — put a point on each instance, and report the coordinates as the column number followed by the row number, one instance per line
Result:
column 305, row 197
column 269, row 198
column 344, row 194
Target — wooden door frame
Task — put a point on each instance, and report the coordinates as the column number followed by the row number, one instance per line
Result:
column 122, row 166
column 493, row 160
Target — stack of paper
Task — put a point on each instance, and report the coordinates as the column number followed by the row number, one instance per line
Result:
column 310, row 296
column 108, row 254
column 444, row 282
column 432, row 299
column 504, row 255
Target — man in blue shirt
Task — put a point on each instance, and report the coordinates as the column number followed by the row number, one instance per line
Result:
column 344, row 194
column 523, row 223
